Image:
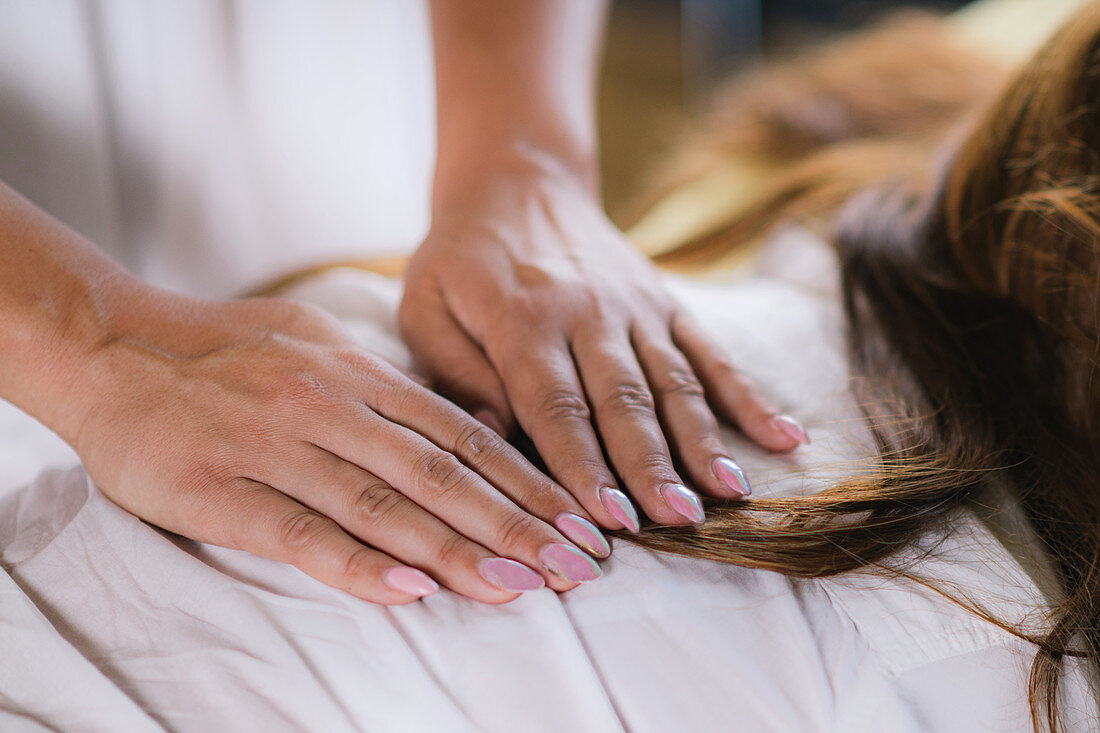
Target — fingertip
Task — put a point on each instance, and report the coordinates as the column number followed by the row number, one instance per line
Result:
column 497, row 597
column 685, row 502
column 732, row 477
column 621, row 509
column 792, row 429
column 777, row 433
column 560, row 585
column 583, row 533
column 411, row 581
column 384, row 596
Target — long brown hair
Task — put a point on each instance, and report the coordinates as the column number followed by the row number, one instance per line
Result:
column 972, row 294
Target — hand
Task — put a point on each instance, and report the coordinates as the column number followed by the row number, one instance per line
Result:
column 259, row 425
column 525, row 303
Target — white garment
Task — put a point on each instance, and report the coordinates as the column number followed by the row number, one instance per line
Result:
column 111, row 625
column 211, row 144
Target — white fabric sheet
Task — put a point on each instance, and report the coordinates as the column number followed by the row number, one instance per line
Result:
column 111, row 625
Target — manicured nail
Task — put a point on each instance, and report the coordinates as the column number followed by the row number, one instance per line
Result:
column 569, row 563
column 618, row 505
column 791, row 427
column 410, row 580
column 731, row 475
column 583, row 534
column 509, row 575
column 683, row 501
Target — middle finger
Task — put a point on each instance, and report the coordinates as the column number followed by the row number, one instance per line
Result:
column 627, row 421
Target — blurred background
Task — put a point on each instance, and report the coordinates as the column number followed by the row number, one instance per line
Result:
column 662, row 57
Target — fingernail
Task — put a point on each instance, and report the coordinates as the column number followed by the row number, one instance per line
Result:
column 791, row 427
column 489, row 419
column 509, row 575
column 683, row 501
column 569, row 563
column 410, row 580
column 731, row 475
column 618, row 505
column 583, row 534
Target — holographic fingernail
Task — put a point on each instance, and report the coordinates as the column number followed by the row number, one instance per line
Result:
column 570, row 563
column 684, row 502
column 618, row 505
column 509, row 575
column 730, row 474
column 583, row 533
column 791, row 427
column 410, row 580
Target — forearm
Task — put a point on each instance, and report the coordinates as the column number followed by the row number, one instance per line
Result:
column 515, row 87
column 59, row 298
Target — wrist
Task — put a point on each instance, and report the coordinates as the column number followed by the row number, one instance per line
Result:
column 56, row 374
column 514, row 165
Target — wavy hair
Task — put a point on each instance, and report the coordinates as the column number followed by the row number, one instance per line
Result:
column 971, row 291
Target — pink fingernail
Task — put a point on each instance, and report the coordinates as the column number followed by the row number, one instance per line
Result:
column 569, row 563
column 791, row 427
column 684, row 502
column 618, row 505
column 731, row 475
column 509, row 575
column 410, row 580
column 583, row 533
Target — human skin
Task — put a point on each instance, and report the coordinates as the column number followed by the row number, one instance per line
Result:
column 526, row 305
column 259, row 425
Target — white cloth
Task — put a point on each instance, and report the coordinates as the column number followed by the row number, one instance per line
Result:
column 111, row 625
column 211, row 144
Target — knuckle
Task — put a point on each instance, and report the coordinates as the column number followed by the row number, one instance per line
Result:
column 655, row 462
column 358, row 564
column 303, row 387
column 309, row 318
column 533, row 275
column 356, row 361
column 564, row 404
column 451, row 551
column 376, row 504
column 202, row 479
column 298, row 531
column 628, row 396
column 515, row 529
column 592, row 466
column 682, row 382
column 440, row 472
column 478, row 442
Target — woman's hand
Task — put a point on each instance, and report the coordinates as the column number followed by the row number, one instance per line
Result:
column 525, row 300
column 258, row 425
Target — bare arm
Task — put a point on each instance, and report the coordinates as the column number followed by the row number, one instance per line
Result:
column 526, row 305
column 515, row 86
column 259, row 425
column 59, row 298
